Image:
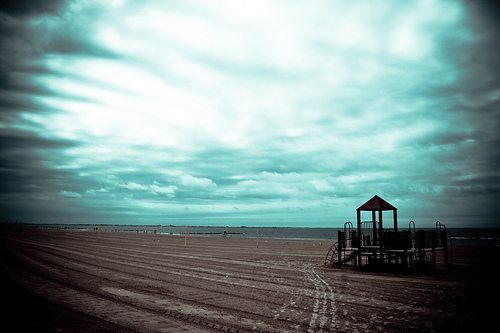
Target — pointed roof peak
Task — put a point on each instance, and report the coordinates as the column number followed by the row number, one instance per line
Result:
column 376, row 203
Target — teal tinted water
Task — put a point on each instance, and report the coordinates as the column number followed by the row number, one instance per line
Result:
column 466, row 236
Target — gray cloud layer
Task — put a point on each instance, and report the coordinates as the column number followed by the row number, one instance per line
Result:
column 155, row 113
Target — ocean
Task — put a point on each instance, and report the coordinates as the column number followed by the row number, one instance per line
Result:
column 459, row 236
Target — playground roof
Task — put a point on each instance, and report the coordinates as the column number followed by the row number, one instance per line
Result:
column 376, row 203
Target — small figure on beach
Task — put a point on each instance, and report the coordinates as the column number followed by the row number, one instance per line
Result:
column 225, row 233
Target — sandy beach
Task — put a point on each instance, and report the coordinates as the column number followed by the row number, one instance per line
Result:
column 88, row 281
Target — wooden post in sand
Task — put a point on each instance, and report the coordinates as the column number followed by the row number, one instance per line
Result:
column 257, row 237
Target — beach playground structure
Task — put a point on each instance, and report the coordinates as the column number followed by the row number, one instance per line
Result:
column 372, row 245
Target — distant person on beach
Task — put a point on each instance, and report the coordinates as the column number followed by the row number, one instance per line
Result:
column 225, row 233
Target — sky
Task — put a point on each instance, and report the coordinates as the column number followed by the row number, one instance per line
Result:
column 257, row 113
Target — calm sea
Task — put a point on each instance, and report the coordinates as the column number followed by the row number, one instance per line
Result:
column 465, row 236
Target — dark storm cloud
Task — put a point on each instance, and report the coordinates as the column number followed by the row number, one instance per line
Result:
column 477, row 99
column 30, row 7
column 27, row 183
column 484, row 17
column 19, row 141
column 30, row 31
column 21, row 162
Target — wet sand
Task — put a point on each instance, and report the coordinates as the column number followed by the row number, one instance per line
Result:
column 75, row 281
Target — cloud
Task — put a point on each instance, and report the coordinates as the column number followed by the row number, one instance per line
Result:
column 169, row 191
column 134, row 186
column 271, row 107
column 94, row 192
column 190, row 181
column 155, row 188
column 69, row 194
column 32, row 32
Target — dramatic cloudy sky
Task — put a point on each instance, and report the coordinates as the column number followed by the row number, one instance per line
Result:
column 248, row 112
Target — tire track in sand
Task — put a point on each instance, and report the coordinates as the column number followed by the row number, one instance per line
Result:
column 323, row 299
